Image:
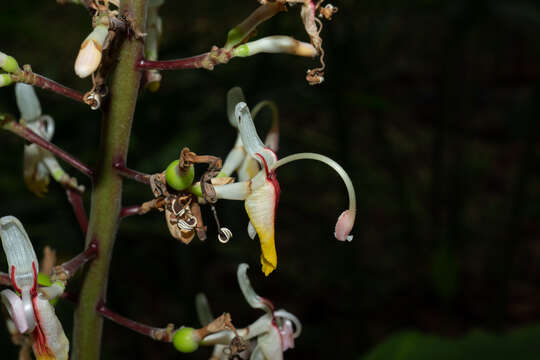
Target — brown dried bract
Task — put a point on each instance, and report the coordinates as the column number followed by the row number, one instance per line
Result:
column 158, row 184
column 200, row 228
column 327, row 11
column 166, row 334
column 221, row 323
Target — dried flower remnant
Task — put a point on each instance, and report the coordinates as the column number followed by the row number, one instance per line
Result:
column 313, row 27
column 179, row 198
column 39, row 164
column 266, row 338
column 31, row 311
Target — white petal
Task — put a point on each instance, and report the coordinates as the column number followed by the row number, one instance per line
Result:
column 286, row 334
column 257, row 354
column 270, row 344
column 43, row 126
column 234, row 191
column 203, row 309
column 222, row 337
column 53, row 291
column 219, row 352
column 55, row 338
column 234, row 158
column 251, row 140
column 279, row 44
column 27, row 102
column 15, row 309
column 288, row 316
column 248, row 169
column 234, row 96
column 254, row 300
column 20, row 254
column 262, row 325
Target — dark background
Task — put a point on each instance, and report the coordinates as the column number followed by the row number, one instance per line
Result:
column 431, row 106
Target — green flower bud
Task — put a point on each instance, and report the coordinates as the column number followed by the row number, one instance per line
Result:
column 176, row 179
column 186, row 340
column 5, row 80
column 241, row 51
column 234, row 37
column 8, row 63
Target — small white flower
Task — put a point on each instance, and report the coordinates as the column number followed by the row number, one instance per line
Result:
column 271, row 334
column 31, row 311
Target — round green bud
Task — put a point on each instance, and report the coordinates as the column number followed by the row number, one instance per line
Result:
column 5, row 80
column 241, row 51
column 184, row 340
column 10, row 65
column 176, row 180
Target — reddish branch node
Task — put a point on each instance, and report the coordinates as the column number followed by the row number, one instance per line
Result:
column 65, row 271
column 207, row 61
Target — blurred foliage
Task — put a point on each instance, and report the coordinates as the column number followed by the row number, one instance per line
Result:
column 413, row 345
column 431, row 105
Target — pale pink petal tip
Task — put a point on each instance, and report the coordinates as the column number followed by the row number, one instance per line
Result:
column 344, row 225
column 15, row 309
column 287, row 335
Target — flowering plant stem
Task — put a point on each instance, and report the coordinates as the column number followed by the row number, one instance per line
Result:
column 106, row 201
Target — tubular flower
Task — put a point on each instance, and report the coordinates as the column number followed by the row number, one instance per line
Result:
column 39, row 163
column 29, row 306
column 261, row 192
column 269, row 336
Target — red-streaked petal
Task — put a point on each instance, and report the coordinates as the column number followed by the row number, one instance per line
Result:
column 50, row 341
column 261, row 207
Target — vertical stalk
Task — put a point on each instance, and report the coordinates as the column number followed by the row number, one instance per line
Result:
column 107, row 191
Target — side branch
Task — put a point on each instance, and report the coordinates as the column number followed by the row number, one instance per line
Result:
column 8, row 123
column 123, row 171
column 75, row 199
column 67, row 269
column 207, row 61
column 129, row 211
column 159, row 334
column 28, row 77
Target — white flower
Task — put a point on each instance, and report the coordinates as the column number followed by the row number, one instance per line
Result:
column 31, row 311
column 261, row 191
column 271, row 334
column 39, row 164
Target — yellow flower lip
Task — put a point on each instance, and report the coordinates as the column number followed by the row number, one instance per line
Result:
column 261, row 207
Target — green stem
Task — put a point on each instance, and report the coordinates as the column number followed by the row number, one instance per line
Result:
column 107, row 194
